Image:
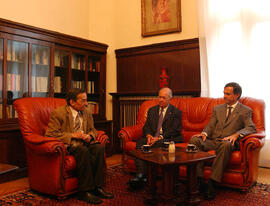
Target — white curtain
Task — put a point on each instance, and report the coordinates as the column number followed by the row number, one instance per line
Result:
column 234, row 44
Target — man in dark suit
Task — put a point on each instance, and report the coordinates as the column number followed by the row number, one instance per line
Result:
column 229, row 122
column 163, row 123
column 74, row 125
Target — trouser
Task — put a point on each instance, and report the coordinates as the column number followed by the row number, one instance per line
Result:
column 90, row 164
column 223, row 150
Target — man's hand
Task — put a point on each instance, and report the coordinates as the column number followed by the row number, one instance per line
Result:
column 86, row 137
column 201, row 135
column 232, row 138
column 153, row 140
column 77, row 135
column 149, row 138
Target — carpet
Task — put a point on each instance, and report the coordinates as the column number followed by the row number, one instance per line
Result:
column 116, row 180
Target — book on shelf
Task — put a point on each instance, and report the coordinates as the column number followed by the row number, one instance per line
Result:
column 56, row 58
column 18, row 82
column 90, row 65
column 9, row 51
column 34, row 85
column 37, row 59
column 97, row 66
column 13, row 82
column 1, row 82
column 60, row 60
column 77, row 62
column 57, row 84
column 91, row 87
column 11, row 113
column 1, row 53
column 94, row 106
column 39, row 84
column 45, row 57
column 82, row 63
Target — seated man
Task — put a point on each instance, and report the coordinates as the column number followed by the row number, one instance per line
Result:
column 74, row 125
column 158, row 130
column 228, row 123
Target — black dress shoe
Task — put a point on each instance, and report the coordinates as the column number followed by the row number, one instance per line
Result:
column 138, row 182
column 89, row 198
column 103, row 194
column 210, row 193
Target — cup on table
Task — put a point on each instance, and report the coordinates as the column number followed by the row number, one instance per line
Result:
column 191, row 148
column 146, row 148
column 165, row 145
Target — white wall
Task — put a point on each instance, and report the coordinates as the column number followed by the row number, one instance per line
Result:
column 118, row 23
column 65, row 16
column 114, row 22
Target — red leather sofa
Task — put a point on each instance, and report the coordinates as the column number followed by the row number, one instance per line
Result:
column 242, row 170
column 50, row 169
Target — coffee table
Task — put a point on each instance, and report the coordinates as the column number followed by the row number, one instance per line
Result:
column 169, row 164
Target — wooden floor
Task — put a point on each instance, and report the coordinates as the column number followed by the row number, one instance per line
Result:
column 264, row 177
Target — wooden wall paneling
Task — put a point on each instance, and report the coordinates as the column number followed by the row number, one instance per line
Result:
column 138, row 68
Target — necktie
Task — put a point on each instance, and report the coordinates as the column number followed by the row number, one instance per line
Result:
column 229, row 113
column 77, row 124
column 160, row 120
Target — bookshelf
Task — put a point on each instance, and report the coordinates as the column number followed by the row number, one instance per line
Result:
column 1, row 78
column 40, row 71
column 36, row 62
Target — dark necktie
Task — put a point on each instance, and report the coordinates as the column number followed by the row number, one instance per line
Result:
column 229, row 113
column 160, row 120
column 77, row 124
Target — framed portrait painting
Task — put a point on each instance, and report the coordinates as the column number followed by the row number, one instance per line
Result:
column 160, row 17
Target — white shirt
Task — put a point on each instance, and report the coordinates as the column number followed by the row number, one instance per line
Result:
column 232, row 107
column 74, row 114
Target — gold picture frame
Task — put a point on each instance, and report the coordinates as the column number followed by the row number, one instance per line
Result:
column 160, row 17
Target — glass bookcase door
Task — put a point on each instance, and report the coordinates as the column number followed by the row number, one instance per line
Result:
column 1, row 77
column 40, row 70
column 61, row 67
column 93, row 82
column 78, row 71
column 17, row 74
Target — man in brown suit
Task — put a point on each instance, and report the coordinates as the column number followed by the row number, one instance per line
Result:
column 74, row 125
column 229, row 122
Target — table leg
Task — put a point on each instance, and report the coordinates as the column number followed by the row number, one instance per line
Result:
column 169, row 178
column 192, row 189
column 151, row 188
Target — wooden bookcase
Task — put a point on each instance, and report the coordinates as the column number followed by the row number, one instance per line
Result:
column 36, row 62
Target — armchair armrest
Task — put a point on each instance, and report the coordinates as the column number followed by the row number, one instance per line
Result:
column 131, row 133
column 257, row 139
column 250, row 146
column 102, row 137
column 43, row 145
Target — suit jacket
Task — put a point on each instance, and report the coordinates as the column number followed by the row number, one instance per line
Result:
column 240, row 121
column 61, row 124
column 171, row 126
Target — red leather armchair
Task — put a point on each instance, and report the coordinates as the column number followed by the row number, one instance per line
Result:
column 242, row 170
column 50, row 169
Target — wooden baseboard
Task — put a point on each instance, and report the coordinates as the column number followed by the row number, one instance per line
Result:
column 11, row 173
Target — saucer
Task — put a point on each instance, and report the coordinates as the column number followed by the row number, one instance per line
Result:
column 191, row 151
column 150, row 151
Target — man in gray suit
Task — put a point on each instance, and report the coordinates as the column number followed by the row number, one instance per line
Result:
column 229, row 122
column 74, row 125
